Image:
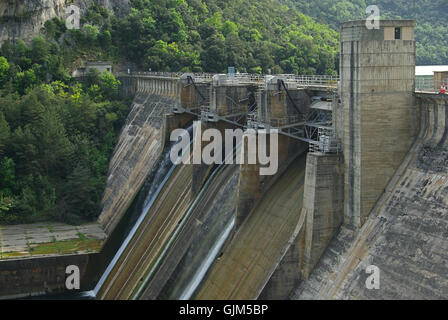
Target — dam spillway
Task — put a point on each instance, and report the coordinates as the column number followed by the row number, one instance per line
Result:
column 361, row 181
column 298, row 262
column 246, row 263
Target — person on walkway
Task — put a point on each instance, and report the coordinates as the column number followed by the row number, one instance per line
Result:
column 443, row 88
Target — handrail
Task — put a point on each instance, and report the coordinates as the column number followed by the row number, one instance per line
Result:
column 429, row 85
column 302, row 80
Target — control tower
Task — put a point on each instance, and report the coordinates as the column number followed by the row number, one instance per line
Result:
column 378, row 112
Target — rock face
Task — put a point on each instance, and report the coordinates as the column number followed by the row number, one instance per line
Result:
column 406, row 234
column 23, row 19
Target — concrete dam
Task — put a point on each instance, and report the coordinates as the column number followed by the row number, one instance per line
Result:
column 361, row 181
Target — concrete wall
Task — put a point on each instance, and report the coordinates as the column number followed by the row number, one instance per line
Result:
column 287, row 273
column 252, row 186
column 320, row 220
column 38, row 276
column 378, row 81
column 405, row 235
column 254, row 252
column 194, row 96
column 274, row 105
column 323, row 205
column 225, row 99
column 128, row 87
column 139, row 146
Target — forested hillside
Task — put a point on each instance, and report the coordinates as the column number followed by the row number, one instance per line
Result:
column 431, row 16
column 57, row 135
column 210, row 35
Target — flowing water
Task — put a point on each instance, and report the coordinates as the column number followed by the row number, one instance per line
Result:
column 198, row 239
column 200, row 255
column 147, row 196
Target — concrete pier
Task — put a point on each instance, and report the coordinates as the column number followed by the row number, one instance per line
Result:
column 252, row 186
column 323, row 205
column 230, row 97
column 278, row 106
column 194, row 92
column 320, row 219
column 377, row 86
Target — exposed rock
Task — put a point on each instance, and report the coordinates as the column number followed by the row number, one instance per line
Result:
column 25, row 19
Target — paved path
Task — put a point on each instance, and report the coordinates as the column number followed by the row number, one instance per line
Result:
column 48, row 239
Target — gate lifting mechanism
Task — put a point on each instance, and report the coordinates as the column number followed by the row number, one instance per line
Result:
column 314, row 128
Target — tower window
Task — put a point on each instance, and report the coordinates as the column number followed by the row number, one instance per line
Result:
column 397, row 33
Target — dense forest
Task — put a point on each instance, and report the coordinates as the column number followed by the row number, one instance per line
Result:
column 57, row 135
column 253, row 36
column 431, row 17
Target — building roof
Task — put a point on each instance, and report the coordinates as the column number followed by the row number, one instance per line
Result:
column 429, row 70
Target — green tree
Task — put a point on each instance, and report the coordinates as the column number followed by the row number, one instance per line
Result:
column 39, row 50
column 109, row 85
column 5, row 133
column 4, row 68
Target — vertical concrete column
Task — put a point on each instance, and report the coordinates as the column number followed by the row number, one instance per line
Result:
column 277, row 104
column 380, row 122
column 249, row 190
column 172, row 89
column 225, row 99
column 176, row 87
column 323, row 205
column 201, row 171
column 157, row 85
column 172, row 122
column 187, row 97
column 219, row 99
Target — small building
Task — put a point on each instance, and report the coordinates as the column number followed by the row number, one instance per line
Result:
column 100, row 66
column 441, row 76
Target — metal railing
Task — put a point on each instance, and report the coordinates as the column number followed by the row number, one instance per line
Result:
column 173, row 75
column 203, row 77
column 316, row 80
column 327, row 142
column 246, row 77
column 421, row 84
column 430, row 85
column 278, row 122
column 313, row 81
column 198, row 77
